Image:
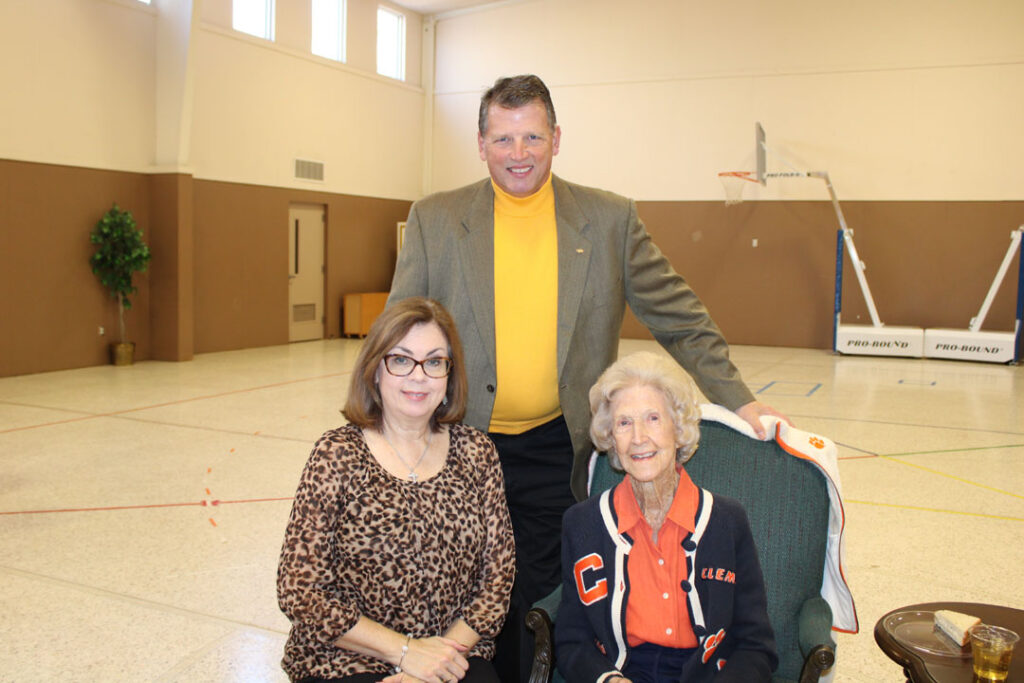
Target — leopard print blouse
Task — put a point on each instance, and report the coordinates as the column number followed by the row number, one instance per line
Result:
column 413, row 556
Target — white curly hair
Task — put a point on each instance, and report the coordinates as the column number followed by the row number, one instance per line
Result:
column 650, row 370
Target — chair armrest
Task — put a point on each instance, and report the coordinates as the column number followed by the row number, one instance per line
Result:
column 816, row 644
column 537, row 620
column 818, row 662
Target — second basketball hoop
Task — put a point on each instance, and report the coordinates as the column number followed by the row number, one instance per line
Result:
column 734, row 183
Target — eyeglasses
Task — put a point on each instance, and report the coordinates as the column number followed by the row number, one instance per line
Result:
column 402, row 366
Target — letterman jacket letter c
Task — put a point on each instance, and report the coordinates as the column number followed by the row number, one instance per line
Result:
column 598, row 590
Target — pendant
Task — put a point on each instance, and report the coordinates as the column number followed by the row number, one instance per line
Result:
column 413, row 476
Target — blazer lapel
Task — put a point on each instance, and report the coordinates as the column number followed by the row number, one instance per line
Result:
column 476, row 254
column 574, row 250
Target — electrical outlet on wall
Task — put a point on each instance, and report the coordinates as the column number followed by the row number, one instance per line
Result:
column 102, row 331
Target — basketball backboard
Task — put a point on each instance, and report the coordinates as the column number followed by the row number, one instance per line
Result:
column 760, row 152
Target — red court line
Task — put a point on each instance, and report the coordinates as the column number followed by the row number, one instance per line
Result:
column 164, row 405
column 256, row 500
column 201, row 503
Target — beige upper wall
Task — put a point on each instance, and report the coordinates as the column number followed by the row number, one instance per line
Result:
column 101, row 84
column 902, row 101
column 908, row 100
column 259, row 105
column 77, row 78
column 258, row 109
column 293, row 31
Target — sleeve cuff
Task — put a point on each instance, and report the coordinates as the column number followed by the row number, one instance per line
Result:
column 333, row 622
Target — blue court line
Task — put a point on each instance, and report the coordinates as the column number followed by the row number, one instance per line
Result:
column 768, row 386
column 854, row 420
column 917, row 383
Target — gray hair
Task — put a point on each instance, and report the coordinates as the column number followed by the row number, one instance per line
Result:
column 650, row 370
column 513, row 92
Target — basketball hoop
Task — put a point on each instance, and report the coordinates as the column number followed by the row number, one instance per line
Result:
column 734, row 182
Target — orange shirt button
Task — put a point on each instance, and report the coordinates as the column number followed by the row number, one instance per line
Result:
column 664, row 595
column 661, row 561
column 668, row 631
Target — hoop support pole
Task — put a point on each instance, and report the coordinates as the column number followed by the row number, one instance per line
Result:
column 1020, row 302
column 1019, row 327
column 847, row 234
column 858, row 268
column 838, row 304
column 979, row 320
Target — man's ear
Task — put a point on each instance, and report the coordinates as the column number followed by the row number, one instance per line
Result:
column 480, row 146
column 555, row 140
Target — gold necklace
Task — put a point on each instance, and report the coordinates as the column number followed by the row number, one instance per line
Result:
column 412, row 470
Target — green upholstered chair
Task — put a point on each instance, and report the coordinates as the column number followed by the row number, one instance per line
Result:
column 787, row 501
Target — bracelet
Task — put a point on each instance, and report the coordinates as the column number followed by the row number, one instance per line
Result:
column 405, row 651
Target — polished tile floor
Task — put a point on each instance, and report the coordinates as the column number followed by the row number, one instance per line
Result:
column 142, row 508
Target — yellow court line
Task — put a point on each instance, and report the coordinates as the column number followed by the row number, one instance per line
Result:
column 951, row 476
column 923, row 509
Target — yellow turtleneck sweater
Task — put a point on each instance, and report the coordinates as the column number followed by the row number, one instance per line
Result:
column 525, row 310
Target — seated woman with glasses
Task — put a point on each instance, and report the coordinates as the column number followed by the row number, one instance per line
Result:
column 398, row 558
column 661, row 581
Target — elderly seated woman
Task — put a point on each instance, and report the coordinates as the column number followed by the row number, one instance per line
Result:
column 661, row 580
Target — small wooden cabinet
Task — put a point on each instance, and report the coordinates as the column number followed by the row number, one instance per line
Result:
column 359, row 311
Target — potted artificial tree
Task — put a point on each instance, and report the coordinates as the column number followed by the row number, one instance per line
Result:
column 120, row 253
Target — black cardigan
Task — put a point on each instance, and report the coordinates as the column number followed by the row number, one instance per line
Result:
column 727, row 608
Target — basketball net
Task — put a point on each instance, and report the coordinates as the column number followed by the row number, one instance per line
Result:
column 734, row 182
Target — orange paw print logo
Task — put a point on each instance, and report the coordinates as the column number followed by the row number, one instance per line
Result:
column 711, row 644
column 817, row 443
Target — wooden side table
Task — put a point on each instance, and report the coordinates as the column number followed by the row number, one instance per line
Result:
column 921, row 667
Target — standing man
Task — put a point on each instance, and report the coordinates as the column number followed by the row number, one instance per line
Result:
column 536, row 272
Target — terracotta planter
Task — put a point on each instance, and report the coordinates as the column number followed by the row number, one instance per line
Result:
column 122, row 354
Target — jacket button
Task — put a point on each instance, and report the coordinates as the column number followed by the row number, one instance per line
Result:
column 490, row 388
column 685, row 585
column 689, row 546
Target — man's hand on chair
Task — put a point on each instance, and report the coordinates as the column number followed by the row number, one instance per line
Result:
column 752, row 412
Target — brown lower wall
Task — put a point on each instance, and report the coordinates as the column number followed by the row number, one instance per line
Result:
column 928, row 264
column 52, row 305
column 218, row 279
column 241, row 259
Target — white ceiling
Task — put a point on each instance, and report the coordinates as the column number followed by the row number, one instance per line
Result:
column 439, row 6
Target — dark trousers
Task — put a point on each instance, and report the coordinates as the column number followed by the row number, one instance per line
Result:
column 650, row 663
column 537, row 465
column 480, row 671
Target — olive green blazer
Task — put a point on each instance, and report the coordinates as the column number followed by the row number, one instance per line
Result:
column 606, row 259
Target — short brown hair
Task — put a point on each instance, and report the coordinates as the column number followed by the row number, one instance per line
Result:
column 363, row 406
column 513, row 92
column 650, row 370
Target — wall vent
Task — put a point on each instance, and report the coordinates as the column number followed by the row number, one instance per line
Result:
column 309, row 170
column 303, row 313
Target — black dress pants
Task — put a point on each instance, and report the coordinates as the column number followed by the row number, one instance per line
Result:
column 537, row 465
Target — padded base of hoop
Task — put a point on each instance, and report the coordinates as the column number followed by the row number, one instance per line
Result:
column 868, row 340
column 987, row 347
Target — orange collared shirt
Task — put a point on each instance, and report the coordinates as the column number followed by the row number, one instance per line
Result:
column 657, row 611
